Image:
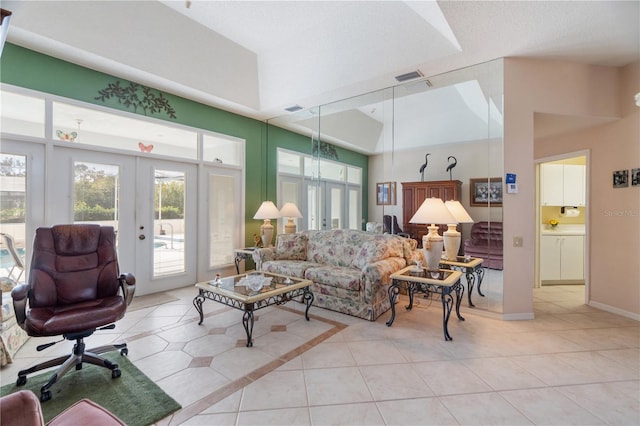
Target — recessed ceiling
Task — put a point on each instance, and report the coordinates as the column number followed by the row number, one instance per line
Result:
column 258, row 57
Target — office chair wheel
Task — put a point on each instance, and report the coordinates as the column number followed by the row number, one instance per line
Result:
column 22, row 380
column 45, row 396
column 79, row 366
column 116, row 373
column 124, row 351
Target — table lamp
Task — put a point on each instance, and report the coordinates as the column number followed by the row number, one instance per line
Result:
column 432, row 211
column 267, row 211
column 452, row 237
column 290, row 210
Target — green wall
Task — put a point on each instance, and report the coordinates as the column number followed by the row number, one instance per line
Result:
column 26, row 68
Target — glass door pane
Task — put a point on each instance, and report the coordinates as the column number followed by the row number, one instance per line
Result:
column 13, row 209
column 96, row 193
column 335, row 207
column 224, row 203
column 168, row 229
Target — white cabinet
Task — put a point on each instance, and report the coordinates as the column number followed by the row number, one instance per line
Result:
column 563, row 184
column 562, row 257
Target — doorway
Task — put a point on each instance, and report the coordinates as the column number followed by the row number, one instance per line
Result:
column 150, row 203
column 562, row 225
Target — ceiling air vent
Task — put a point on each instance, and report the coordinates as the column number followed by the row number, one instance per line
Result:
column 409, row 76
column 294, row 108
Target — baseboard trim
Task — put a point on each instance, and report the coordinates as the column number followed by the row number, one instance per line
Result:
column 614, row 310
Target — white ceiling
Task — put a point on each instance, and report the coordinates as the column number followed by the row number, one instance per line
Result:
column 258, row 57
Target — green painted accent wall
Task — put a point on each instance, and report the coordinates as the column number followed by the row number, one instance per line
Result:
column 33, row 70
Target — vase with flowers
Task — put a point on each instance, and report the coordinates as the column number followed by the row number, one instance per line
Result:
column 554, row 223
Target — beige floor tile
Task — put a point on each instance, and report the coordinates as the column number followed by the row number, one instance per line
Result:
column 240, row 361
column 279, row 389
column 424, row 349
column 549, row 407
column 222, row 419
column 418, row 412
column 328, row 386
column 285, row 416
column 618, row 402
column 484, row 409
column 347, row 414
column 192, row 384
column 395, row 382
column 327, row 355
column 375, row 352
column 502, row 373
column 450, row 377
column 163, row 364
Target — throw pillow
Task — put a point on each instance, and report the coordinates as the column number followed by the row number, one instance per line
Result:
column 291, row 247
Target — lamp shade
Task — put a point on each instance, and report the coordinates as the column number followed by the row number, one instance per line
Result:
column 458, row 211
column 290, row 210
column 267, row 210
column 433, row 210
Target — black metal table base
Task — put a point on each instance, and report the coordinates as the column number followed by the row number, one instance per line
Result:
column 248, row 308
column 473, row 275
column 444, row 291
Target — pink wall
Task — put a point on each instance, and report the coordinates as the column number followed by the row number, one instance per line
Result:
column 581, row 90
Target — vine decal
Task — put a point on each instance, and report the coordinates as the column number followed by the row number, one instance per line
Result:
column 137, row 96
column 325, row 149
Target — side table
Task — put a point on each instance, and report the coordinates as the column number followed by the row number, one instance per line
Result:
column 445, row 282
column 472, row 268
column 243, row 254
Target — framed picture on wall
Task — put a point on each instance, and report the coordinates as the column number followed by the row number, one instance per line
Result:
column 635, row 177
column 621, row 179
column 485, row 192
column 386, row 193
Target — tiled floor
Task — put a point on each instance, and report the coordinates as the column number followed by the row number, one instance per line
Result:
column 573, row 364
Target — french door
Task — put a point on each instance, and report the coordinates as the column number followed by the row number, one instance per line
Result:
column 325, row 205
column 150, row 203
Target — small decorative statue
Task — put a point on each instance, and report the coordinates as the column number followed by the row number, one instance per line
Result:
column 257, row 240
column 451, row 165
column 424, row 166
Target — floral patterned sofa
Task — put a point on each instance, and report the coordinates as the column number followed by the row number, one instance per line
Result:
column 350, row 269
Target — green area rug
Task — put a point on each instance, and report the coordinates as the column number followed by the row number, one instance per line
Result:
column 133, row 397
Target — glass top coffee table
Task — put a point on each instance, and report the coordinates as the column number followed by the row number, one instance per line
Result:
column 234, row 292
column 420, row 280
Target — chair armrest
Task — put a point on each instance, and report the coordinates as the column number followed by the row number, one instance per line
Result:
column 20, row 295
column 128, row 286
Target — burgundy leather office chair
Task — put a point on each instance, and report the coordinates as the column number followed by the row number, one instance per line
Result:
column 73, row 289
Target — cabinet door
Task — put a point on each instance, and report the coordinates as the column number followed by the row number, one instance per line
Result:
column 572, row 258
column 574, row 185
column 552, row 184
column 550, row 257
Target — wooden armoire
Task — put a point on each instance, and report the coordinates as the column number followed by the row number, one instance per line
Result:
column 414, row 193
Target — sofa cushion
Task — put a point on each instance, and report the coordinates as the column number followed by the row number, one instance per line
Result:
column 335, row 247
column 291, row 247
column 340, row 277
